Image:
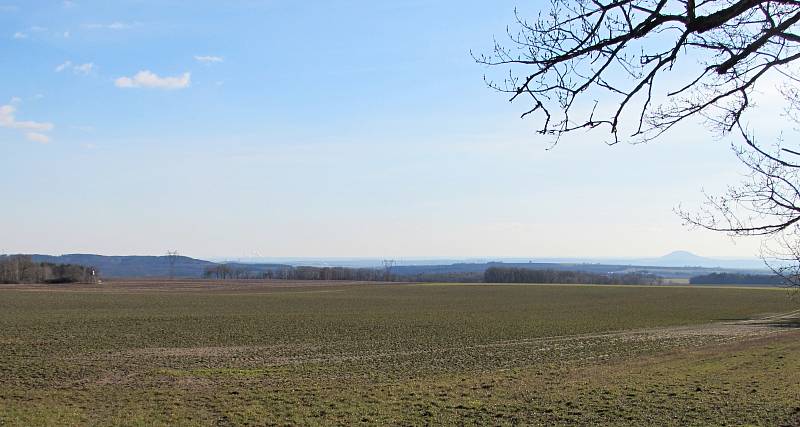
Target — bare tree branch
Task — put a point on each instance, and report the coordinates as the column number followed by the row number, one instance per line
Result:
column 646, row 66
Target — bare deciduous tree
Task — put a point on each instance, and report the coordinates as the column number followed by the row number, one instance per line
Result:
column 22, row 269
column 715, row 51
column 638, row 68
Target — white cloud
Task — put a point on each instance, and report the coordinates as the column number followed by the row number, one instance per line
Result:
column 207, row 59
column 68, row 3
column 33, row 130
column 16, row 100
column 8, row 8
column 113, row 26
column 63, row 66
column 9, row 120
column 19, row 35
column 66, row 34
column 148, row 79
column 37, row 137
column 119, row 26
column 84, row 69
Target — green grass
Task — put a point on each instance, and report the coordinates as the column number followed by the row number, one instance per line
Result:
column 397, row 354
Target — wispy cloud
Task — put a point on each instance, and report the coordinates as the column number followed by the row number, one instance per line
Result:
column 37, row 137
column 113, row 26
column 83, row 69
column 32, row 31
column 8, row 8
column 8, row 120
column 148, row 79
column 68, row 3
column 63, row 66
column 33, row 130
column 208, row 59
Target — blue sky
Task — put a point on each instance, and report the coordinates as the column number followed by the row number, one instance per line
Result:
column 327, row 128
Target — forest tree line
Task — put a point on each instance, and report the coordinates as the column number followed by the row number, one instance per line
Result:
column 736, row 279
column 225, row 271
column 22, row 269
column 491, row 275
column 524, row 275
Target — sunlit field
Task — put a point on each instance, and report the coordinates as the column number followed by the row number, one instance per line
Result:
column 282, row 353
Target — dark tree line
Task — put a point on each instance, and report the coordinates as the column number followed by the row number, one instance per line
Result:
column 491, row 275
column 736, row 279
column 333, row 273
column 524, row 275
column 22, row 269
column 225, row 271
column 465, row 277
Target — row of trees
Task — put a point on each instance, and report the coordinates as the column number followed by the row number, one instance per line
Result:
column 737, row 279
column 330, row 273
column 491, row 275
column 524, row 275
column 466, row 277
column 22, row 269
column 227, row 271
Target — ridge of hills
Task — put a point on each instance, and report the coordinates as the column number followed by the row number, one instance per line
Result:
column 678, row 264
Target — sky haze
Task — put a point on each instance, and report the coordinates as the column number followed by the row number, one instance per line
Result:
column 313, row 129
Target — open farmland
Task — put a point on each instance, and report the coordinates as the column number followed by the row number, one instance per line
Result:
column 281, row 353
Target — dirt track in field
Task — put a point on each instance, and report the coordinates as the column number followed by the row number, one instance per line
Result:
column 683, row 336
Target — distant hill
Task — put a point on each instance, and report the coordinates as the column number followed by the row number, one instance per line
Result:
column 679, row 264
column 673, row 259
column 131, row 266
column 688, row 259
column 667, row 270
column 145, row 266
column 684, row 258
